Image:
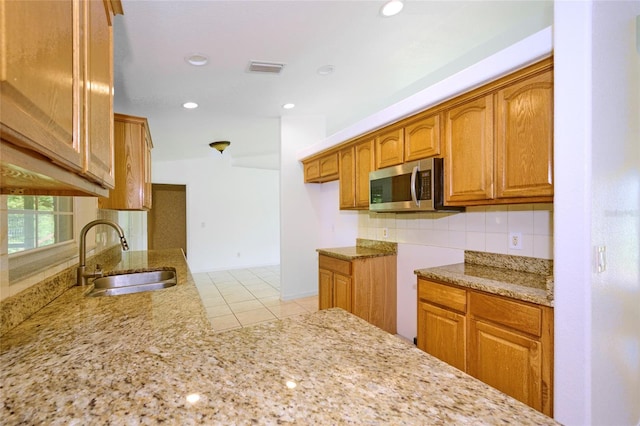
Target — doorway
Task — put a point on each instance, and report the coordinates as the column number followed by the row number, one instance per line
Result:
column 167, row 219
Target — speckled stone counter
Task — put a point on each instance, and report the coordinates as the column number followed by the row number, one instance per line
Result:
column 521, row 278
column 363, row 249
column 152, row 358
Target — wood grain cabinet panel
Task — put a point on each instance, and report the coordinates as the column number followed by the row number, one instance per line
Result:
column 321, row 169
column 366, row 287
column 422, row 138
column 133, row 146
column 524, row 138
column 98, row 93
column 40, row 102
column 390, row 148
column 506, row 343
column 469, row 151
column 356, row 162
column 56, row 96
column 442, row 333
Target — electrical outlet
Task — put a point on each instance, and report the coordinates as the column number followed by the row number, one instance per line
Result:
column 385, row 233
column 515, row 240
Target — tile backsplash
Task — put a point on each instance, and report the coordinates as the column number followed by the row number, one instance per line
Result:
column 485, row 229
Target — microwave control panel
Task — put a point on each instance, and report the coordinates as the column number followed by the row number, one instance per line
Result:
column 424, row 185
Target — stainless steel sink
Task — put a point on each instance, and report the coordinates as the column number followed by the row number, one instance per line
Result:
column 134, row 282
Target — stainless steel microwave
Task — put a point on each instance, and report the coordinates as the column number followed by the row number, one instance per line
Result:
column 410, row 187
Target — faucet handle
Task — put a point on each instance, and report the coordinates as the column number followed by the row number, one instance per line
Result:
column 98, row 267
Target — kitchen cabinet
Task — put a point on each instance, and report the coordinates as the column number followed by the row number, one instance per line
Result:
column 499, row 146
column 335, row 283
column 56, row 97
column 506, row 343
column 321, row 169
column 422, row 137
column 356, row 162
column 390, row 147
column 524, row 138
column 133, row 146
column 442, row 322
column 365, row 287
column 98, row 94
column 469, row 152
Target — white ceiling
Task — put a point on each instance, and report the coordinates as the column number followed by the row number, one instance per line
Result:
column 378, row 61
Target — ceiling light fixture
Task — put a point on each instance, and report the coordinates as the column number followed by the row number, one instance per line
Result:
column 392, row 7
column 220, row 145
column 197, row 60
column 288, row 106
column 326, row 70
column 190, row 105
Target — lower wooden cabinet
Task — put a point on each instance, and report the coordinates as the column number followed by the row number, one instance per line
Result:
column 505, row 343
column 365, row 287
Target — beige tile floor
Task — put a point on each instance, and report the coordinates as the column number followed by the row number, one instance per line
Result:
column 242, row 297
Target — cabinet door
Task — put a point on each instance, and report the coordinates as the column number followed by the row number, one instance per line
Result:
column 442, row 333
column 40, row 93
column 390, row 148
column 469, row 152
column 364, row 164
column 147, row 146
column 510, row 362
column 347, row 178
column 524, row 138
column 98, row 93
column 325, row 289
column 311, row 171
column 342, row 292
column 422, row 138
column 329, row 165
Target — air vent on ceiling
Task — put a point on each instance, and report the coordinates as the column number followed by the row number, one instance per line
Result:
column 265, row 67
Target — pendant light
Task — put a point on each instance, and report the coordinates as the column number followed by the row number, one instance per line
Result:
column 220, row 145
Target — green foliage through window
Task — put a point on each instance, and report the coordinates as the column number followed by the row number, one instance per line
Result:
column 38, row 221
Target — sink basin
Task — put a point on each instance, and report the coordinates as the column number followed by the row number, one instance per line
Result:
column 134, row 282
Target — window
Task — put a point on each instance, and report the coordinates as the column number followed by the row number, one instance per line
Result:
column 38, row 221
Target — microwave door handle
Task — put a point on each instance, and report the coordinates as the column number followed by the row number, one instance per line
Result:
column 414, row 195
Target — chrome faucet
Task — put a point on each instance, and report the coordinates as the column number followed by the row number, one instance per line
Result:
column 82, row 275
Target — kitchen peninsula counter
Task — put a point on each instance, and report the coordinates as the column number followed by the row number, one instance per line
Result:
column 135, row 359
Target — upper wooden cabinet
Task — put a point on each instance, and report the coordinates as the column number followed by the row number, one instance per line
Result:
column 355, row 164
column 390, row 148
column 524, row 138
column 499, row 146
column 469, row 151
column 132, row 165
column 422, row 137
column 56, row 96
column 321, row 169
column 98, row 90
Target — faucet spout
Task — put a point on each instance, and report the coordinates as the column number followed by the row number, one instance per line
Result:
column 82, row 275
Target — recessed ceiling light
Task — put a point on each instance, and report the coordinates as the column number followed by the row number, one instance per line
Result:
column 288, row 106
column 197, row 60
column 392, row 7
column 325, row 70
column 190, row 105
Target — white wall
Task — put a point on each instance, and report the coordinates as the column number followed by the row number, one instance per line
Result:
column 232, row 212
column 597, row 156
column 300, row 209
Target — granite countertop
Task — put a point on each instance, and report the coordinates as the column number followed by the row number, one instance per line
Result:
column 152, row 357
column 363, row 249
column 521, row 278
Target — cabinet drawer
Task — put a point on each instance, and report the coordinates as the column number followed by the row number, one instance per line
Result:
column 516, row 315
column 335, row 265
column 443, row 295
